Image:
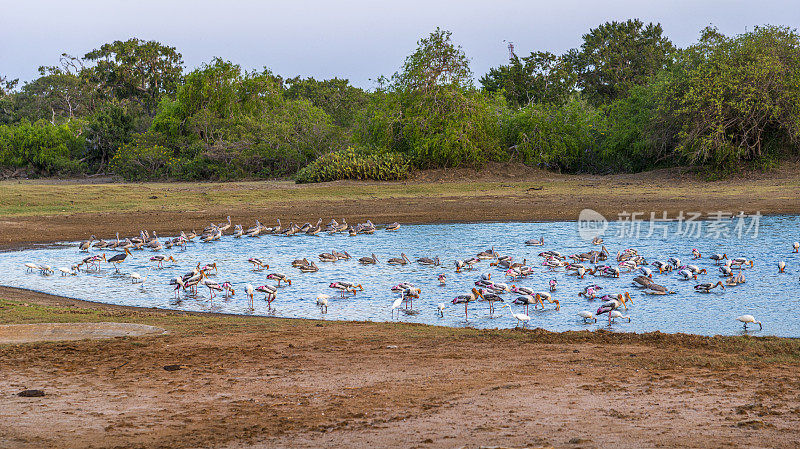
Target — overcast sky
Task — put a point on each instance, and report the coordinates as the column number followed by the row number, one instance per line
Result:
column 359, row 40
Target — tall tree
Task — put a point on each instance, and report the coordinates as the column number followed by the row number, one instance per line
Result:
column 336, row 97
column 619, row 55
column 136, row 71
column 437, row 61
column 541, row 77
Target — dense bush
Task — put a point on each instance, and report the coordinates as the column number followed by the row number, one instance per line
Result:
column 41, row 148
column 145, row 163
column 356, row 164
column 556, row 137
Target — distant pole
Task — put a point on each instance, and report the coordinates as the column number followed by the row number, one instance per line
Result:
column 510, row 49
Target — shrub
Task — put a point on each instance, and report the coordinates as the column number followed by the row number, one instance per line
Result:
column 355, row 164
column 556, row 137
column 145, row 163
column 41, row 147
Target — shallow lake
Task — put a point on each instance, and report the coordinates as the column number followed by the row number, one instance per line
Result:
column 768, row 295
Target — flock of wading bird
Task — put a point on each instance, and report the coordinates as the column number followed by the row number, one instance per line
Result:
column 486, row 289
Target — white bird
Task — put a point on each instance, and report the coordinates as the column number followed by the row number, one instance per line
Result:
column 31, row 266
column 617, row 314
column 796, row 246
column 322, row 302
column 781, row 266
column 249, row 289
column 46, row 269
column 440, row 307
column 137, row 278
column 521, row 317
column 749, row 319
column 396, row 304
column 67, row 271
column 586, row 315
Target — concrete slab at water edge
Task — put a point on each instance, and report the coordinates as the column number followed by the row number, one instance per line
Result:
column 29, row 333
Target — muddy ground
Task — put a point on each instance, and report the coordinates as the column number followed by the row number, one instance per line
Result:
column 249, row 382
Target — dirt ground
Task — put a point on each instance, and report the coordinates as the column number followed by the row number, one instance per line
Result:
column 502, row 192
column 250, row 382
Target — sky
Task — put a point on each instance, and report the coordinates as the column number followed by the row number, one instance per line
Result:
column 358, row 40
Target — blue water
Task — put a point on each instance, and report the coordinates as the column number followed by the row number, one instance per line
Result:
column 771, row 297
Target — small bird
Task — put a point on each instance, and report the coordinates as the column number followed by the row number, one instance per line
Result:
column 442, row 279
column 781, row 266
column 796, row 246
column 322, row 302
column 586, row 315
column 249, row 289
column 617, row 314
column 749, row 319
column 520, row 317
column 440, row 307
column 396, row 305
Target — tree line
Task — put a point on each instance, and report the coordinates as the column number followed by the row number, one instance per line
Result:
column 626, row 100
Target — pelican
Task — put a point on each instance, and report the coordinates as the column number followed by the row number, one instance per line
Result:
column 749, row 319
column 586, row 315
column 393, row 227
column 369, row 260
column 279, row 277
column 327, row 257
column 781, row 266
column 466, row 299
column 402, row 260
column 656, row 289
column 85, row 245
column 310, row 268
column 520, row 317
column 428, row 261
column 322, row 302
column 119, row 258
column 706, row 288
column 534, row 242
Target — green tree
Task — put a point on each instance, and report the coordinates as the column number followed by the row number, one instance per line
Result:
column 437, row 62
column 58, row 95
column 541, row 77
column 135, row 71
column 616, row 56
column 7, row 87
column 335, row 96
column 735, row 98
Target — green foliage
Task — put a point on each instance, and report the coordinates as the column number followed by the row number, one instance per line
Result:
column 145, row 163
column 541, row 77
column 562, row 138
column 40, row 148
column 335, row 96
column 356, row 164
column 135, row 71
column 430, row 112
column 734, row 97
column 616, row 56
column 105, row 132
